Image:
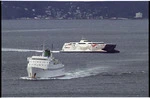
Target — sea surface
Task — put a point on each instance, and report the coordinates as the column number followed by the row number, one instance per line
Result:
column 123, row 74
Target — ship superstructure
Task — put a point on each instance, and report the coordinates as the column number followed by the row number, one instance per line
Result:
column 44, row 66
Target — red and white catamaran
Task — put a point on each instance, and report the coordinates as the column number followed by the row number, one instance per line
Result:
column 85, row 46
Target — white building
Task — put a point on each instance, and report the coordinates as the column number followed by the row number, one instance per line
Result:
column 138, row 15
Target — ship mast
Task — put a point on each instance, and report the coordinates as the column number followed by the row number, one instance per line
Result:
column 43, row 49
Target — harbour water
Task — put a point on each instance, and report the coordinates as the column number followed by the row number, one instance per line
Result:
column 123, row 74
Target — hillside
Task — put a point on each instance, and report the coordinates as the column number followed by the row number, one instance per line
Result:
column 72, row 10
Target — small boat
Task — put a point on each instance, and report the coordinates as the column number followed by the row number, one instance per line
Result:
column 44, row 66
column 85, row 46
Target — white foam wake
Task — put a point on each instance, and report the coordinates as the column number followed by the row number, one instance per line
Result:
column 31, row 30
column 24, row 50
column 20, row 50
column 84, row 73
column 38, row 30
column 75, row 74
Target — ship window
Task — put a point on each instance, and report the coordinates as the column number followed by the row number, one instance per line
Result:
column 39, row 59
column 81, row 43
column 85, row 41
column 98, row 43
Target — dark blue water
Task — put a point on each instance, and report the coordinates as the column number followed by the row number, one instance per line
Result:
column 87, row 74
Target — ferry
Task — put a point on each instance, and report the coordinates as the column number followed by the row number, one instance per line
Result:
column 85, row 46
column 44, row 66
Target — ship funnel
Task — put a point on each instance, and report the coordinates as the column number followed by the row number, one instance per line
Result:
column 47, row 53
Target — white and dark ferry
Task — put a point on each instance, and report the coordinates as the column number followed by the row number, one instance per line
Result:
column 44, row 66
column 85, row 46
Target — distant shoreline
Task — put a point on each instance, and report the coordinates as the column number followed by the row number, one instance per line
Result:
column 80, row 19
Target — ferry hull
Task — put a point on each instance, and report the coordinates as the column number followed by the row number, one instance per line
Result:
column 74, row 51
column 103, row 51
column 34, row 72
column 109, row 47
column 84, row 46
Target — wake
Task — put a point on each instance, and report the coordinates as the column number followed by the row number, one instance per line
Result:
column 103, row 71
column 38, row 30
column 23, row 50
column 31, row 30
column 74, row 74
